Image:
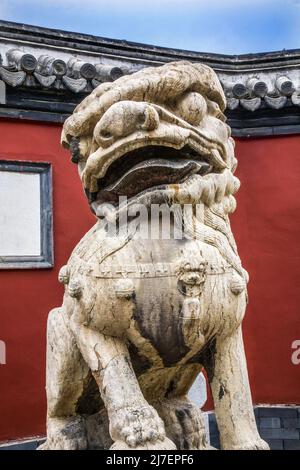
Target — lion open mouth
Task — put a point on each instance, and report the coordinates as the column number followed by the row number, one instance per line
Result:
column 150, row 167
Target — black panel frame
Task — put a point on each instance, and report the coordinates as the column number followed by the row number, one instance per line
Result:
column 46, row 258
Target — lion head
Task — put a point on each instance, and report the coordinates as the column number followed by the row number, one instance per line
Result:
column 159, row 129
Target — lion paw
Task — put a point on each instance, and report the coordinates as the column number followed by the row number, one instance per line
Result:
column 258, row 444
column 165, row 444
column 137, row 427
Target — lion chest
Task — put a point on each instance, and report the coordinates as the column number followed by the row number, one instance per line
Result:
column 173, row 295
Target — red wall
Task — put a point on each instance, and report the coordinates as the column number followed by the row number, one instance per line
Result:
column 28, row 295
column 267, row 229
column 266, row 225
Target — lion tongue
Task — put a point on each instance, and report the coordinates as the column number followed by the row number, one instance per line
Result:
column 156, row 172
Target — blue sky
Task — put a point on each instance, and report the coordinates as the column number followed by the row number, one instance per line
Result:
column 221, row 26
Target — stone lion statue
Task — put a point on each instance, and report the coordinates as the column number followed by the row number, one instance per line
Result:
column 141, row 317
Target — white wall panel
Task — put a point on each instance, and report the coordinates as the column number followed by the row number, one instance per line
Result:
column 20, row 233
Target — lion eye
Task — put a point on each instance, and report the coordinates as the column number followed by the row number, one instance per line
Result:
column 105, row 134
column 191, row 107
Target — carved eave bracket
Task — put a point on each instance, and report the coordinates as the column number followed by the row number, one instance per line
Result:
column 77, row 76
column 46, row 71
column 253, row 93
column 46, row 82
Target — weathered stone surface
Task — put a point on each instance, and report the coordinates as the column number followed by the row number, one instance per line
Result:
column 141, row 317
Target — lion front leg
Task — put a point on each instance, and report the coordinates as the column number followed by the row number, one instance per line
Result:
column 232, row 396
column 66, row 373
column 133, row 423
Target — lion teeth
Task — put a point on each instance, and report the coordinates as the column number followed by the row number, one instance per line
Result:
column 217, row 160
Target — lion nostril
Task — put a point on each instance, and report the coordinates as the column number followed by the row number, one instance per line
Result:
column 105, row 134
column 141, row 118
